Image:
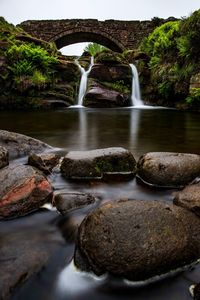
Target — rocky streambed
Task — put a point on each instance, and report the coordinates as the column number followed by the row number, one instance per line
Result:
column 120, row 236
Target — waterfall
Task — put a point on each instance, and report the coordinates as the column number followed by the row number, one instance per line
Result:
column 135, row 95
column 83, row 82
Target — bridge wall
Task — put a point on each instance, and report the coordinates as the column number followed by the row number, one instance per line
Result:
column 117, row 35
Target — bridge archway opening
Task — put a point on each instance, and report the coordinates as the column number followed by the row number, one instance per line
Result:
column 76, row 49
column 67, row 39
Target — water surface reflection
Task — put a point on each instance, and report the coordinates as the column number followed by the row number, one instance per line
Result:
column 140, row 130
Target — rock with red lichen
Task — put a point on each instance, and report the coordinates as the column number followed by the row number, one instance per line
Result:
column 23, row 189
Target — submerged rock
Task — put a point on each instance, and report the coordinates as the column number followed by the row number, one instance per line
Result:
column 168, row 169
column 19, row 145
column 23, row 189
column 67, row 201
column 3, row 157
column 96, row 163
column 189, row 198
column 137, row 239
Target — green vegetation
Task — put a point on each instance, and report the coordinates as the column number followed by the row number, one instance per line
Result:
column 194, row 96
column 174, row 56
column 119, row 86
column 30, row 65
column 93, row 49
column 161, row 43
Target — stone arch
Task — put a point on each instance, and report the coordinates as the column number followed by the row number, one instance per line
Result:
column 77, row 35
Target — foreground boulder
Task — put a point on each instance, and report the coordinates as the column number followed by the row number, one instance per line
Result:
column 168, row 169
column 96, row 163
column 26, row 247
column 23, row 189
column 189, row 198
column 137, row 239
column 3, row 157
column 67, row 201
column 19, row 145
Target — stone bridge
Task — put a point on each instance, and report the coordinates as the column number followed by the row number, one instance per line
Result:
column 116, row 35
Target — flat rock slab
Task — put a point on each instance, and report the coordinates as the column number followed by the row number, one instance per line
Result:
column 68, row 201
column 189, row 198
column 95, row 163
column 137, row 239
column 23, row 189
column 19, row 145
column 26, row 246
column 4, row 160
column 168, row 169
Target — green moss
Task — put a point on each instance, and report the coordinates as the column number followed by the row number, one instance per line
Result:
column 194, row 96
column 119, row 86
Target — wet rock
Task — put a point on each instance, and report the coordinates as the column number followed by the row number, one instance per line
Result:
column 100, row 96
column 111, row 73
column 66, row 201
column 23, row 189
column 36, row 161
column 168, row 169
column 52, row 104
column 3, row 157
column 96, row 163
column 44, row 162
column 25, row 248
column 189, row 198
column 137, row 239
column 196, row 292
column 19, row 145
column 51, row 160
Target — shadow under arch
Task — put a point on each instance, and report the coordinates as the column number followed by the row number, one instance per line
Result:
column 69, row 37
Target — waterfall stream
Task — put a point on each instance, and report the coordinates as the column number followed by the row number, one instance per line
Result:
column 135, row 95
column 83, row 82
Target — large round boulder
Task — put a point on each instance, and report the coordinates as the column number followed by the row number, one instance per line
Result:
column 189, row 198
column 3, row 157
column 97, row 163
column 168, row 169
column 19, row 145
column 23, row 189
column 137, row 239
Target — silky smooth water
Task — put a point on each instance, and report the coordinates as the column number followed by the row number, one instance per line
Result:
column 140, row 131
column 136, row 94
column 83, row 82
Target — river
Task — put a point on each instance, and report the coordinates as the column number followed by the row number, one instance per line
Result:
column 136, row 129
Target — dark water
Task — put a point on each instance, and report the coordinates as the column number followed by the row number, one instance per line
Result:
column 139, row 130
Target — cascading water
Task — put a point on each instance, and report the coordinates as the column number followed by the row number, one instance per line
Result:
column 83, row 82
column 135, row 95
